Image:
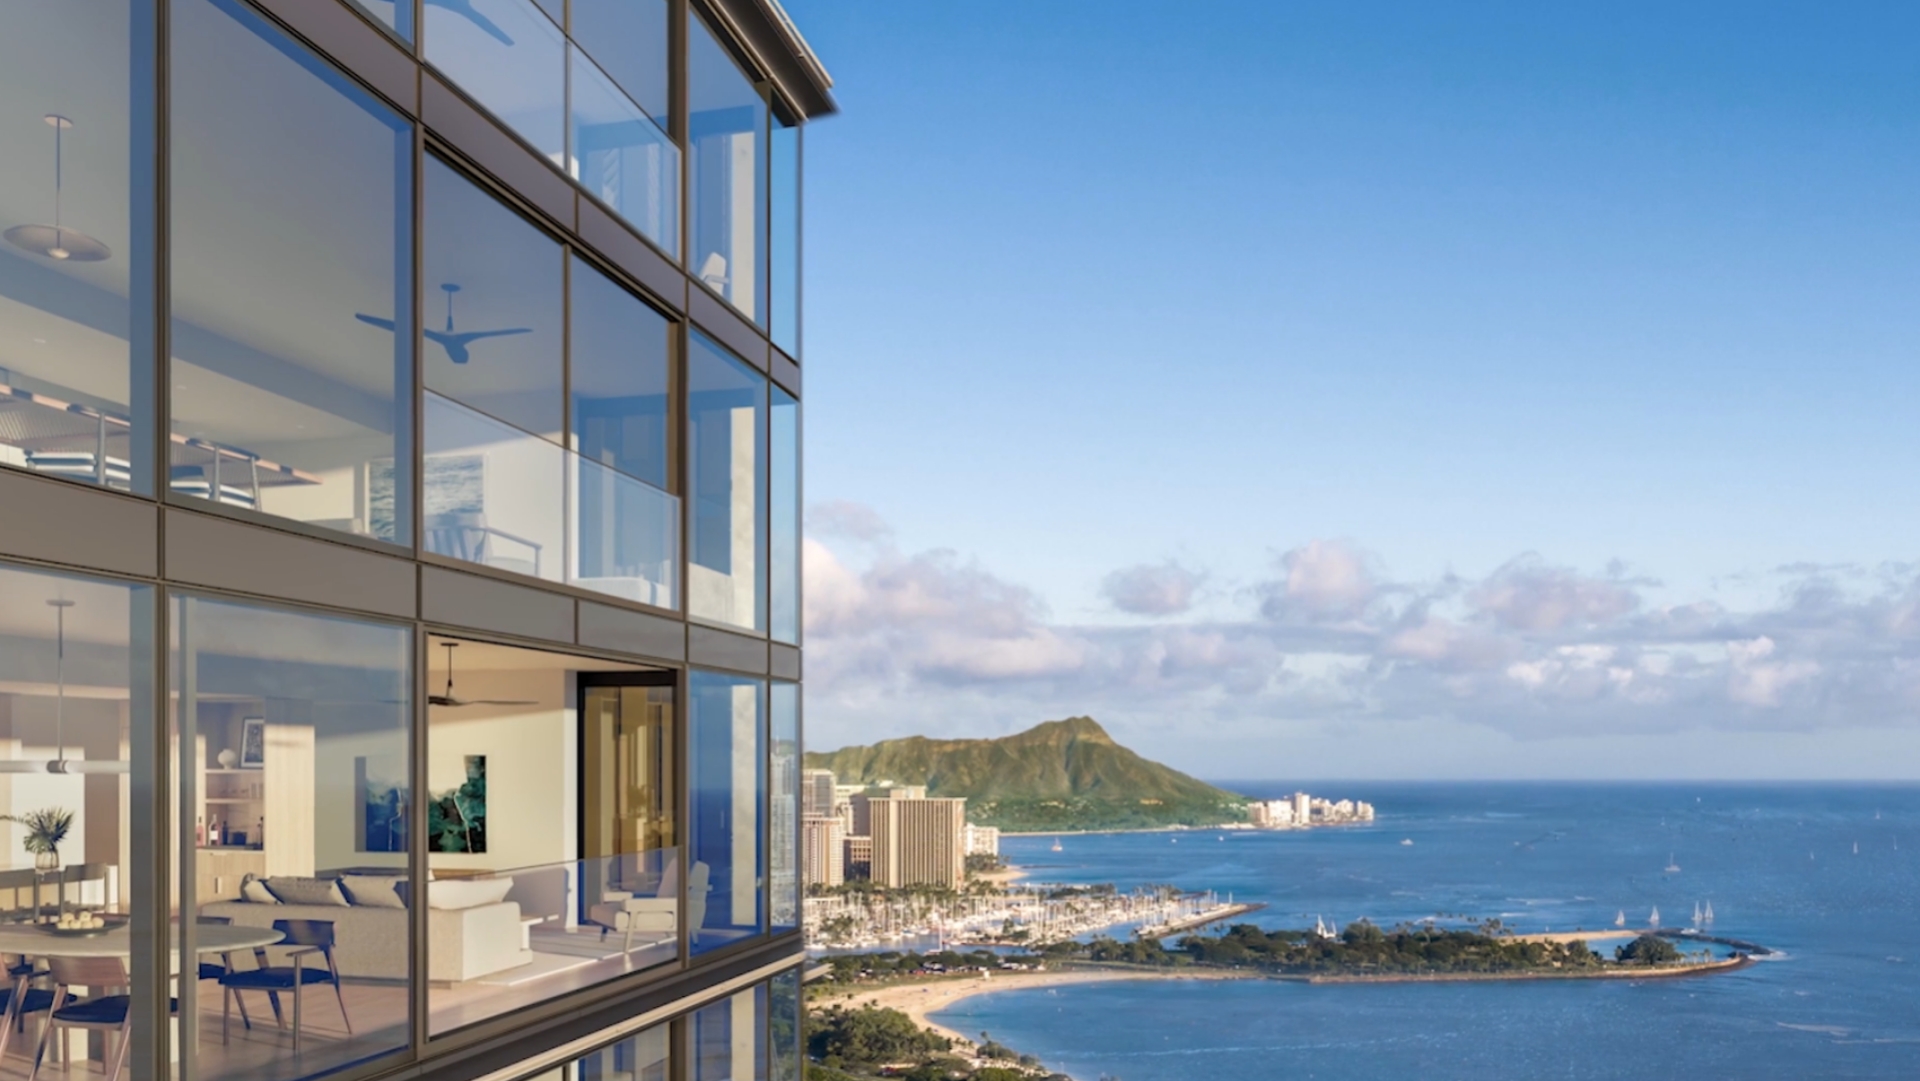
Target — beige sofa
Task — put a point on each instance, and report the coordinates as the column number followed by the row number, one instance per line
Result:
column 371, row 943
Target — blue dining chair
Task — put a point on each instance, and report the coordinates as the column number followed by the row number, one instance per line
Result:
column 310, row 937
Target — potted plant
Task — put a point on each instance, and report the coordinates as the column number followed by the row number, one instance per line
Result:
column 46, row 828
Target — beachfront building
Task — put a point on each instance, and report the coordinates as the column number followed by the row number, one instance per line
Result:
column 857, row 863
column 817, row 793
column 1302, row 809
column 399, row 448
column 1271, row 814
column 919, row 842
column 822, row 851
column 982, row 840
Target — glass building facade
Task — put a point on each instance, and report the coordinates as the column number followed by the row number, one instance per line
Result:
column 400, row 434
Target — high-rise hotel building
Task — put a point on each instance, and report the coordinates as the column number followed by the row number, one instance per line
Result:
column 399, row 562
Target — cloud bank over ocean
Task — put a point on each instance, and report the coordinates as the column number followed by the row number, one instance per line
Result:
column 906, row 642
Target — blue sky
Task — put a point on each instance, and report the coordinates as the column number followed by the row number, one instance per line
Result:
column 1393, row 389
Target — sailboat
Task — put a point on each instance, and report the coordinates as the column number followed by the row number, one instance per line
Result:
column 1654, row 919
column 1672, row 868
column 1709, row 913
column 1696, row 915
column 1856, row 848
column 1621, row 919
column 1056, row 845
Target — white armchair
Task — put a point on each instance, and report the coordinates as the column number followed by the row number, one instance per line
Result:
column 621, row 912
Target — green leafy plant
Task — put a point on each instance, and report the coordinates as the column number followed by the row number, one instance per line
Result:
column 46, row 828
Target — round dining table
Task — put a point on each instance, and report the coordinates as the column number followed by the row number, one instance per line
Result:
column 37, row 941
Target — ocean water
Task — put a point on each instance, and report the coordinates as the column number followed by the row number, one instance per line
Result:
column 1777, row 862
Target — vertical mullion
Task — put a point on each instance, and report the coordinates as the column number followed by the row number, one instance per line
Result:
column 417, row 989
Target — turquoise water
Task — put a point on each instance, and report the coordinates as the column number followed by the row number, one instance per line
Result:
column 1776, row 861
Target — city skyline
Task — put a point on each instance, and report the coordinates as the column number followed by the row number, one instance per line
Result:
column 1458, row 394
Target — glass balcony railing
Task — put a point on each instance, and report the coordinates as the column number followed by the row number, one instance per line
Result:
column 503, row 940
column 626, row 535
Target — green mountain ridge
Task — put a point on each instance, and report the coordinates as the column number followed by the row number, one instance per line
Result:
column 1057, row 775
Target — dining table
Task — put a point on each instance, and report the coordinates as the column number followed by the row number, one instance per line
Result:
column 39, row 940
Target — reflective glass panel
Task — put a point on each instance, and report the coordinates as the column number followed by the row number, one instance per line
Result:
column 620, row 348
column 783, row 254
column 626, row 536
column 727, row 776
column 526, row 905
column 69, row 406
column 490, row 493
column 729, row 1038
column 492, row 306
column 291, row 738
column 727, row 486
column 292, row 311
column 511, row 58
column 78, row 670
column 784, row 518
column 643, row 1057
column 783, row 806
column 727, row 186
column 395, row 15
column 629, row 40
column 622, row 158
column 784, row 1031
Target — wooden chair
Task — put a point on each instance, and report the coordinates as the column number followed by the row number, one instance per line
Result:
column 79, row 874
column 97, row 1012
column 310, row 937
column 18, row 999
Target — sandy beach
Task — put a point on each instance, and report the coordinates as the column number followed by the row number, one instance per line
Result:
column 917, row 1000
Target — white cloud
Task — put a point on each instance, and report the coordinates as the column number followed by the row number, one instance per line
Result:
column 1324, row 581
column 1150, row 589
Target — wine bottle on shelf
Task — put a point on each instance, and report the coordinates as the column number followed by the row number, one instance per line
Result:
column 260, row 832
column 213, row 834
column 200, row 831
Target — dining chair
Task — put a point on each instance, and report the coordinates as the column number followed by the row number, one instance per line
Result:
column 97, row 1012
column 79, row 874
column 18, row 999
column 309, row 937
column 212, row 971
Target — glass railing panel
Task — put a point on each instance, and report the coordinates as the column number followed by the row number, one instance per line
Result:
column 503, row 940
column 511, row 58
column 621, row 157
column 491, row 493
column 626, row 536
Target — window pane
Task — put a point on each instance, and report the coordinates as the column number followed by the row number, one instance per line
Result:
column 783, row 814
column 491, row 494
column 727, row 135
column 727, row 478
column 292, row 316
column 395, row 15
column 626, row 536
column 783, row 256
column 525, row 748
column 68, row 406
column 645, row 1057
column 622, row 158
column 726, row 774
column 491, row 306
column 78, row 665
column 629, row 40
column 783, row 1026
column 784, row 515
column 292, row 735
column 729, row 1041
column 511, row 59
column 619, row 347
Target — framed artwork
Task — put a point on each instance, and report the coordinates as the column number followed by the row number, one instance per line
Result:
column 253, row 743
column 457, row 820
column 383, row 791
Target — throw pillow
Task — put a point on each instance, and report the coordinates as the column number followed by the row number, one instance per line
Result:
column 255, row 891
column 307, row 891
column 454, row 893
column 373, row 891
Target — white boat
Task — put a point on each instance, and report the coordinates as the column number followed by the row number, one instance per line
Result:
column 1696, row 914
column 1056, row 844
column 1406, row 840
column 1856, row 848
column 1653, row 920
column 1672, row 868
column 1621, row 919
column 1709, row 913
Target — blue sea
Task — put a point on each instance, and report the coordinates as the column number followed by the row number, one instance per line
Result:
column 1777, row 862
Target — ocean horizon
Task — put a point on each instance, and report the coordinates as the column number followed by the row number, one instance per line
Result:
column 1775, row 861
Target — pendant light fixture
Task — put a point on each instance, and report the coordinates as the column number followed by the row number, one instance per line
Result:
column 56, row 241
column 61, row 763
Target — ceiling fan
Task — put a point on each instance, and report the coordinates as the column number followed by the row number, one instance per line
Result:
column 454, row 344
column 448, row 699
